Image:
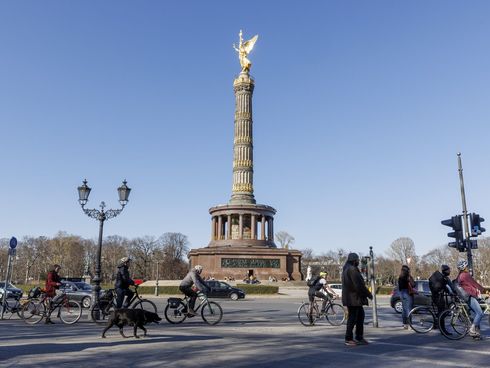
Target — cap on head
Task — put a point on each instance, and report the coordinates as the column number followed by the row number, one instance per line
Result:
column 352, row 257
column 445, row 268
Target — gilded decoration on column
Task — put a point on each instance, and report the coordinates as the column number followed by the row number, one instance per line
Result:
column 243, row 49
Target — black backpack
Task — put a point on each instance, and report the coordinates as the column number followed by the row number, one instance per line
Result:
column 313, row 281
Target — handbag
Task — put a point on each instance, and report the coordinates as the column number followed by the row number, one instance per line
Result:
column 411, row 290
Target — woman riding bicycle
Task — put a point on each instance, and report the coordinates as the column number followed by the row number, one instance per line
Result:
column 474, row 291
column 193, row 279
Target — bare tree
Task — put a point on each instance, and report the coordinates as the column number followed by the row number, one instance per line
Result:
column 403, row 250
column 285, row 239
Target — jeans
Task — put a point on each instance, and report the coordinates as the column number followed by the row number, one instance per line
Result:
column 407, row 303
column 475, row 307
column 356, row 318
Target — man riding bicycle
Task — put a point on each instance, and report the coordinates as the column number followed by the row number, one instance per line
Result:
column 319, row 288
column 192, row 282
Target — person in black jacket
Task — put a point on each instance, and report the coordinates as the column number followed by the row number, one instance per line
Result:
column 123, row 282
column 354, row 296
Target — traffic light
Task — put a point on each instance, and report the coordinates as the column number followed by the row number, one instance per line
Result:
column 365, row 268
column 456, row 224
column 476, row 221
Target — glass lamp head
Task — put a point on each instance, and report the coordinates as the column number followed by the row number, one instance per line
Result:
column 123, row 192
column 83, row 193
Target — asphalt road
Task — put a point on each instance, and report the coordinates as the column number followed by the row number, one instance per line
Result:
column 255, row 332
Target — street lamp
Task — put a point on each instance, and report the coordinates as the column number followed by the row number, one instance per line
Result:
column 341, row 253
column 101, row 215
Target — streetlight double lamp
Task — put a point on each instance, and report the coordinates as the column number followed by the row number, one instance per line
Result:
column 101, row 215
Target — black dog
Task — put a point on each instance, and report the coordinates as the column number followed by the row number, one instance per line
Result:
column 131, row 317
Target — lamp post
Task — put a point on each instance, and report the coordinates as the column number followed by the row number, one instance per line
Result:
column 341, row 253
column 101, row 215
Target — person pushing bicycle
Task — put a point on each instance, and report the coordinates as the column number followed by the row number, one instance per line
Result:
column 190, row 282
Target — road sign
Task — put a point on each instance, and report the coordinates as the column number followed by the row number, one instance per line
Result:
column 13, row 242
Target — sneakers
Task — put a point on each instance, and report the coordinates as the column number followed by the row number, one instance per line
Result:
column 362, row 342
column 405, row 326
column 48, row 321
column 473, row 331
column 191, row 312
column 350, row 343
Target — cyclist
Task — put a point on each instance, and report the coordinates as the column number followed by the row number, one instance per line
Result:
column 53, row 283
column 474, row 291
column 123, row 282
column 191, row 282
column 439, row 283
column 319, row 287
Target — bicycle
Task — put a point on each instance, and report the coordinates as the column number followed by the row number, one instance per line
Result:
column 107, row 303
column 423, row 319
column 176, row 310
column 456, row 322
column 334, row 313
column 13, row 306
column 36, row 309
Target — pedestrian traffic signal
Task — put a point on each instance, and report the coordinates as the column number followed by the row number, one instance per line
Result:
column 365, row 268
column 456, row 224
column 476, row 221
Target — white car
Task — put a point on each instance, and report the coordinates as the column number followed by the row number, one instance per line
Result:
column 337, row 288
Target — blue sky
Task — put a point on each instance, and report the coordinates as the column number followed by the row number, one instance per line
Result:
column 359, row 110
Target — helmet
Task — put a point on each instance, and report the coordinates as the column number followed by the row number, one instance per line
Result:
column 462, row 264
column 124, row 260
column 198, row 268
column 323, row 274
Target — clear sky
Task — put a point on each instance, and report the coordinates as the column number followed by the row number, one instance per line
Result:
column 359, row 110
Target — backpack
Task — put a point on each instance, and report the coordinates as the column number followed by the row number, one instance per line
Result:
column 35, row 292
column 436, row 282
column 312, row 282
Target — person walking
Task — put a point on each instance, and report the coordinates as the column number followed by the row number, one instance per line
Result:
column 406, row 286
column 53, row 283
column 355, row 295
column 123, row 282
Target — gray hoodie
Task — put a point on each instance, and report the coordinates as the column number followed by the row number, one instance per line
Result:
column 193, row 278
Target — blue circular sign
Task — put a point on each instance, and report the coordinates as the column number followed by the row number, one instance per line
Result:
column 13, row 242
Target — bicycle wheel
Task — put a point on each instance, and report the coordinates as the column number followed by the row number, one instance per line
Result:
column 211, row 313
column 146, row 305
column 454, row 324
column 176, row 315
column 304, row 314
column 421, row 319
column 70, row 312
column 335, row 314
column 100, row 312
column 33, row 312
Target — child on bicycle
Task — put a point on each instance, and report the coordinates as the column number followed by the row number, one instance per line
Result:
column 53, row 283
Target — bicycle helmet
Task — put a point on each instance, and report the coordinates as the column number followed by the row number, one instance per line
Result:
column 462, row 264
column 124, row 260
column 323, row 274
column 198, row 268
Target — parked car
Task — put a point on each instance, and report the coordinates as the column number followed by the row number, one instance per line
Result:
column 424, row 296
column 12, row 291
column 337, row 288
column 79, row 291
column 220, row 289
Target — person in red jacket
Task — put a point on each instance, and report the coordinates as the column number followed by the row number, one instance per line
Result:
column 53, row 283
column 474, row 290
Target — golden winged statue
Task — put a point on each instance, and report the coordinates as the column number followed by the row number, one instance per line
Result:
column 243, row 50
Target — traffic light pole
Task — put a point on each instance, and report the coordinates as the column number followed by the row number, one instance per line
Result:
column 465, row 216
column 373, row 289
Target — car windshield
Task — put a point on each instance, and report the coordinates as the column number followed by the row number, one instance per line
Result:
column 2, row 285
column 83, row 286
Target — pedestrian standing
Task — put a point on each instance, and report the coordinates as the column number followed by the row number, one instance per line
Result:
column 355, row 295
column 406, row 286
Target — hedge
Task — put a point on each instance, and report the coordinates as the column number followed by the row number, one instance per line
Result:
column 258, row 289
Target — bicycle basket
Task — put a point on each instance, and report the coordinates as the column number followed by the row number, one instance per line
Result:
column 35, row 292
column 174, row 302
